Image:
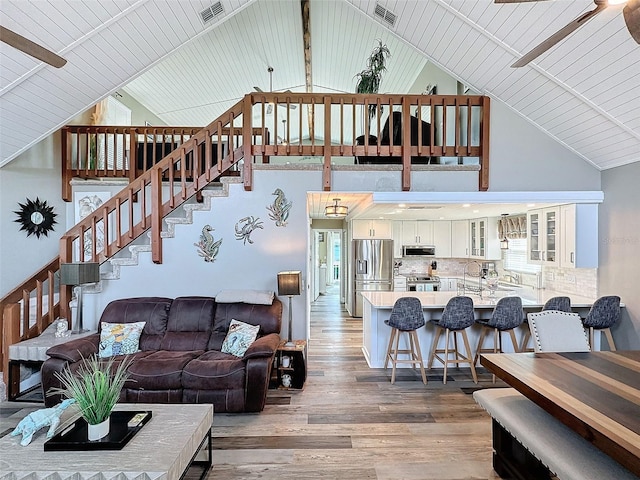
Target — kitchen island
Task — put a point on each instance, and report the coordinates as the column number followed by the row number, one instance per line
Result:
column 377, row 308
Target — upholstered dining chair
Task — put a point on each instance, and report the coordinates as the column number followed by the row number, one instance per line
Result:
column 406, row 316
column 604, row 314
column 457, row 316
column 506, row 316
column 561, row 304
column 556, row 331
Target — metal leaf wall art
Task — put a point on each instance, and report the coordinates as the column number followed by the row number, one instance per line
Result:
column 245, row 227
column 208, row 247
column 279, row 210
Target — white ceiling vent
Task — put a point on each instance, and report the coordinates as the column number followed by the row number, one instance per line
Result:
column 210, row 13
column 384, row 15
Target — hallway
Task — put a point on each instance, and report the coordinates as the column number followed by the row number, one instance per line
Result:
column 350, row 422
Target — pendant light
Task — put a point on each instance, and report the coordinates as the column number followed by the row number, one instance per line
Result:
column 335, row 210
column 504, row 242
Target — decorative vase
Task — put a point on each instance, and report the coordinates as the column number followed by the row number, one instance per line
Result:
column 96, row 432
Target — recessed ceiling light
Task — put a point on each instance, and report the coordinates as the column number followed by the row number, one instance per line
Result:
column 402, row 205
column 531, row 204
column 476, row 211
column 466, row 205
column 441, row 218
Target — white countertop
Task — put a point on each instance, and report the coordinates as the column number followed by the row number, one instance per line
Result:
column 530, row 298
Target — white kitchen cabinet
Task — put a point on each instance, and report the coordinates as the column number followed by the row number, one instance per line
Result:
column 442, row 238
column 397, row 239
column 579, row 236
column 419, row 232
column 400, row 284
column 372, row 229
column 543, row 230
column 460, row 239
column 448, row 284
column 484, row 242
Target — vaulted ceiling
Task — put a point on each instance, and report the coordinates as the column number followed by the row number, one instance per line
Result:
column 583, row 92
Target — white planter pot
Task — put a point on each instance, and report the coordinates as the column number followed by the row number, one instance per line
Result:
column 96, row 432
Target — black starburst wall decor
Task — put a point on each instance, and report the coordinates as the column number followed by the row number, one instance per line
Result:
column 37, row 218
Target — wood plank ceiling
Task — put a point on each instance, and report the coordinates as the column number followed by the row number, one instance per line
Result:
column 583, row 93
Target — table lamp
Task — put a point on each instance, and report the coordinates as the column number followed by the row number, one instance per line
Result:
column 79, row 274
column 290, row 284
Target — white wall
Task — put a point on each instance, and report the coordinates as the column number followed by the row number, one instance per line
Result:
column 619, row 240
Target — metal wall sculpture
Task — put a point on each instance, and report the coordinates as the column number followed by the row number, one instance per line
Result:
column 36, row 218
column 245, row 227
column 279, row 210
column 208, row 247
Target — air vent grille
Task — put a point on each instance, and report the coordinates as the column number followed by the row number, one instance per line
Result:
column 210, row 13
column 387, row 16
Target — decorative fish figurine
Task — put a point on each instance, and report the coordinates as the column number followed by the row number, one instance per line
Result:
column 279, row 211
column 243, row 232
column 208, row 247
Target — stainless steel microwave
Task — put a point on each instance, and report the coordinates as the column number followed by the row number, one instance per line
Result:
column 418, row 251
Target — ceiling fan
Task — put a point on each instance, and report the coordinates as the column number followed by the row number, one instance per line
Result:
column 30, row 48
column 631, row 14
column 270, row 106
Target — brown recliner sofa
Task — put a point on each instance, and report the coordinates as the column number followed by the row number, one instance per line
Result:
column 180, row 359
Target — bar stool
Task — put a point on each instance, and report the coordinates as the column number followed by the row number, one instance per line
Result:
column 560, row 304
column 506, row 316
column 604, row 314
column 406, row 316
column 457, row 316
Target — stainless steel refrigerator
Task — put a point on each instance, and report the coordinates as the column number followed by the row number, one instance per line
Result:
column 372, row 269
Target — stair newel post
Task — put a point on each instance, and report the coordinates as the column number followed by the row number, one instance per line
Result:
column 247, row 128
column 66, row 256
column 156, row 215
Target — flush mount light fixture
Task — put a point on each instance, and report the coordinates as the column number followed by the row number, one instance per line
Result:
column 335, row 210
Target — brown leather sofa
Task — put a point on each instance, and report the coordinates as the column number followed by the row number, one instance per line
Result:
column 180, row 359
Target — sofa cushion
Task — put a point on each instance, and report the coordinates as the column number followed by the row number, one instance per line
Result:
column 189, row 324
column 119, row 338
column 267, row 316
column 214, row 371
column 160, row 370
column 239, row 337
column 154, row 311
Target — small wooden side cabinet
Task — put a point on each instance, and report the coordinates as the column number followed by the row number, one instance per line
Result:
column 291, row 361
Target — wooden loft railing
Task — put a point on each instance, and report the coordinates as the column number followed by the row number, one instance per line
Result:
column 235, row 140
column 458, row 126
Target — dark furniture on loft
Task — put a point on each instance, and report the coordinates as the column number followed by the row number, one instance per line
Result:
column 150, row 153
column 397, row 141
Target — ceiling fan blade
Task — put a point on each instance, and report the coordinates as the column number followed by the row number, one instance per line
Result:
column 631, row 14
column 258, row 89
column 31, row 48
column 559, row 35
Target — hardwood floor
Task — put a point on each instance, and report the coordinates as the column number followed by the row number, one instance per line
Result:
column 349, row 422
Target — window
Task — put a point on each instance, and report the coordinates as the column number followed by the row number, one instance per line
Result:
column 515, row 258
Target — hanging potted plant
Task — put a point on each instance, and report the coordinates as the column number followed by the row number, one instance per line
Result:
column 95, row 387
column 369, row 79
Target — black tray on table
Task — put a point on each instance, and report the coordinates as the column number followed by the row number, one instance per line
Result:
column 74, row 436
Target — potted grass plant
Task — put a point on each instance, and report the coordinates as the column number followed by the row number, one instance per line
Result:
column 95, row 387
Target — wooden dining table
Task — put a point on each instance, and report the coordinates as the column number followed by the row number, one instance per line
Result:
column 597, row 394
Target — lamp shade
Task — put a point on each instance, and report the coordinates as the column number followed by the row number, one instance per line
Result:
column 289, row 283
column 335, row 210
column 79, row 273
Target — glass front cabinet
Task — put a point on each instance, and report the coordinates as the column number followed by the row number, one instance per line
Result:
column 543, row 228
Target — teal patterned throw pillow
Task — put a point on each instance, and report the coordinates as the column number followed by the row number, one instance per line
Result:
column 239, row 337
column 119, row 338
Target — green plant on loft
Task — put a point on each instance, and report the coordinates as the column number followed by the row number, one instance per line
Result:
column 369, row 79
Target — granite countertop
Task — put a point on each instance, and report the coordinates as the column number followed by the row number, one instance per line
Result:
column 532, row 298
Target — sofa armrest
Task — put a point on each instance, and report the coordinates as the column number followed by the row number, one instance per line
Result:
column 263, row 346
column 75, row 350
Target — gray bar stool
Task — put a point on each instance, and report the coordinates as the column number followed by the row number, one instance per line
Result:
column 406, row 316
column 506, row 316
column 457, row 316
column 560, row 304
column 604, row 314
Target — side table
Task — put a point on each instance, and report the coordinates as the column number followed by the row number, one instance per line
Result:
column 295, row 366
column 32, row 353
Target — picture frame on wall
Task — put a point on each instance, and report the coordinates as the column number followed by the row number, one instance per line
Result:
column 85, row 203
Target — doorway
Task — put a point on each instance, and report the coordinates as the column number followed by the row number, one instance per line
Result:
column 329, row 264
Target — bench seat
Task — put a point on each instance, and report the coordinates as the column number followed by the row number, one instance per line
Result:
column 566, row 454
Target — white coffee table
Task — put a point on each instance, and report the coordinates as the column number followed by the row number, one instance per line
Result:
column 163, row 449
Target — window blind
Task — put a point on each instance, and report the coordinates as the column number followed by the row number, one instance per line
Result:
column 515, row 258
